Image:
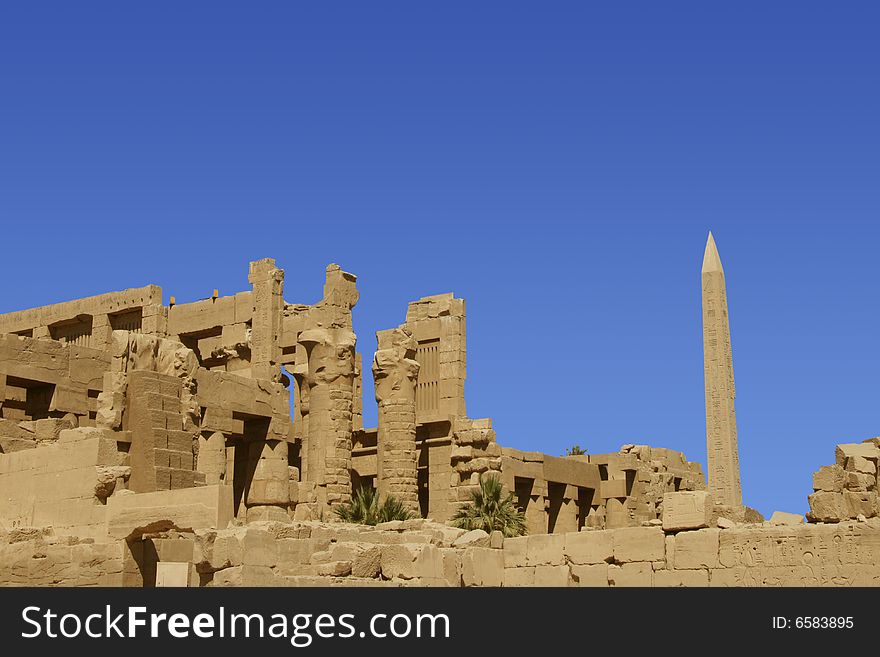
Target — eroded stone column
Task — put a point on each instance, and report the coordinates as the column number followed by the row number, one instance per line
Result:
column 395, row 372
column 269, row 494
column 330, row 382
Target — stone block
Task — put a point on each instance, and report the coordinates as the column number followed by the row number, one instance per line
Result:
column 829, row 478
column 413, row 560
column 555, row 576
column 860, row 503
column 515, row 551
column 591, row 575
column 259, row 548
column 670, row 578
column 686, row 510
column 612, row 488
column 451, row 566
column 204, row 507
column 227, row 577
column 827, row 507
column 696, row 549
column 545, row 549
column 524, row 576
column 482, row 567
column 639, row 544
column 367, row 562
column 335, row 569
column 590, row 547
column 226, row 550
column 257, row 576
column 864, row 450
column 631, row 574
column 853, row 464
column 859, row 481
column 172, row 574
column 783, row 518
column 473, row 538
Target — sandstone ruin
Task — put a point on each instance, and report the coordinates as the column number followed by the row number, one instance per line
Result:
column 209, row 443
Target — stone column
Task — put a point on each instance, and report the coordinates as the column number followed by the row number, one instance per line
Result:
column 395, row 372
column 269, row 494
column 330, row 383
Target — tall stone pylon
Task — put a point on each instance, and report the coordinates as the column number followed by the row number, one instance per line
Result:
column 721, row 441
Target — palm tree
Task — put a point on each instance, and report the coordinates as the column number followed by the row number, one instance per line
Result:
column 489, row 510
column 365, row 509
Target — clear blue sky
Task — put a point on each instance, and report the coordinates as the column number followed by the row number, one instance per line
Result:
column 557, row 164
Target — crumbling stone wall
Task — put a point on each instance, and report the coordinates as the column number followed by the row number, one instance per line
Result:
column 475, row 454
column 847, row 489
column 635, row 480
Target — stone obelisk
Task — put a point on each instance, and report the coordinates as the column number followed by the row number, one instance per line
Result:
column 721, row 441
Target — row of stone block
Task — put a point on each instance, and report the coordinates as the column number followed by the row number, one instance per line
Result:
column 427, row 554
column 806, row 554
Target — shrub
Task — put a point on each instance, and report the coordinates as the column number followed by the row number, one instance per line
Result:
column 365, row 509
column 489, row 510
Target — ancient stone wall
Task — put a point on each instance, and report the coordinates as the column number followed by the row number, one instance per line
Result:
column 63, row 484
column 421, row 553
column 88, row 322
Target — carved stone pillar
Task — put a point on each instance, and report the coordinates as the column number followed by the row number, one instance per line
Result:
column 268, row 299
column 330, row 382
column 395, row 372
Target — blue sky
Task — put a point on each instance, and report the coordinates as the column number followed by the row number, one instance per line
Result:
column 557, row 164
